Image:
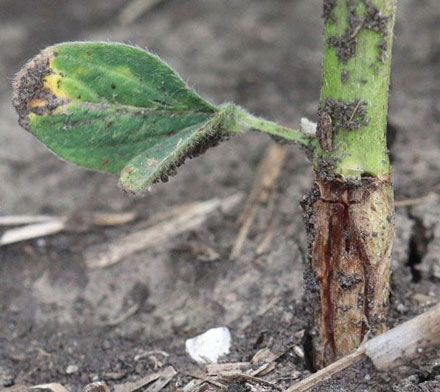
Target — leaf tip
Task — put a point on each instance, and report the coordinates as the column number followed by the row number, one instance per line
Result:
column 32, row 94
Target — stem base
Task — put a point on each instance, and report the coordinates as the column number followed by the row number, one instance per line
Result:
column 347, row 280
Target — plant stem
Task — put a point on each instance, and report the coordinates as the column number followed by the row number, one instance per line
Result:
column 354, row 92
column 349, row 212
column 248, row 121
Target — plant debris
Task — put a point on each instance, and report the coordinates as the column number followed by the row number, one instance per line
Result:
column 266, row 176
column 156, row 381
column 180, row 219
column 215, row 137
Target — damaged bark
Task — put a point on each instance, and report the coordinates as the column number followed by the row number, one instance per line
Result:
column 351, row 233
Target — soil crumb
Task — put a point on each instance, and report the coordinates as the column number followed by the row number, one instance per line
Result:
column 345, row 115
column 372, row 19
column 327, row 12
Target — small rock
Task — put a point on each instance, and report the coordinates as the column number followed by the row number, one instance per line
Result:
column 296, row 374
column 298, row 351
column 209, row 346
column 97, row 386
column 401, row 308
column 6, row 378
column 106, row 345
column 41, row 242
column 71, row 369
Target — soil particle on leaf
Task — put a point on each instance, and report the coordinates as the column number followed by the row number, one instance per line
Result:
column 217, row 136
column 280, row 140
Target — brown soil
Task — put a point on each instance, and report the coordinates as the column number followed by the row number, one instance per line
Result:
column 264, row 55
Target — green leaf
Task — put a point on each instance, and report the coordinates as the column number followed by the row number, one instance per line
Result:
column 113, row 107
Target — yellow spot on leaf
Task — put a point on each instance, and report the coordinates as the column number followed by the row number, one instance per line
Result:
column 37, row 102
column 53, row 83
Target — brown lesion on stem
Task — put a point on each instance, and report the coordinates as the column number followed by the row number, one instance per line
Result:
column 350, row 257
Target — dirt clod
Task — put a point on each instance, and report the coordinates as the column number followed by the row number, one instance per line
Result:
column 374, row 20
column 345, row 46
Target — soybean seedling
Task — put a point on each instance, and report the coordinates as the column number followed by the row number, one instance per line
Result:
column 116, row 108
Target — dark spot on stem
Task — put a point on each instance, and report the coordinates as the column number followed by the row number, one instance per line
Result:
column 325, row 130
column 327, row 12
column 382, row 46
column 347, row 281
column 113, row 86
column 345, row 45
column 326, row 167
column 372, row 19
column 345, row 115
column 344, row 76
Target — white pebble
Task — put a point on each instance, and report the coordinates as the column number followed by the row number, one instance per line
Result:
column 209, row 346
column 71, row 369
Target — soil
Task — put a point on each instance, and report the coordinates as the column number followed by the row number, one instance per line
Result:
column 58, row 317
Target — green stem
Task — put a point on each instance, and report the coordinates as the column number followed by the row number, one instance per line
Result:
column 354, row 94
column 246, row 120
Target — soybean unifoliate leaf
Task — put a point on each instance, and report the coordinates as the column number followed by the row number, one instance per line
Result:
column 113, row 107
